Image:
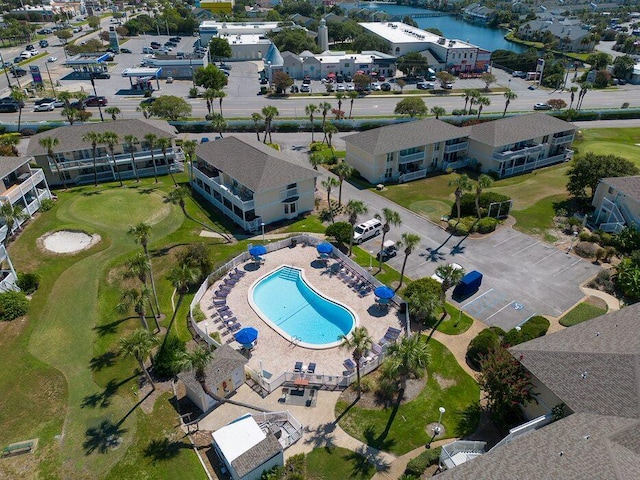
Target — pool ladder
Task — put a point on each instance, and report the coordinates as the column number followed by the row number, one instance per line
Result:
column 295, row 340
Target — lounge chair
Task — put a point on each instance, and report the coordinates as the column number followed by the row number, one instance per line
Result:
column 234, row 328
column 223, row 310
column 376, row 348
column 311, row 368
column 297, row 368
column 239, row 272
column 219, row 301
column 221, row 293
column 395, row 331
column 230, row 281
column 349, row 364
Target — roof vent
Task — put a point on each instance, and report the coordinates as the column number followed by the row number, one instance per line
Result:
column 587, row 437
column 561, row 453
column 597, row 334
column 584, row 374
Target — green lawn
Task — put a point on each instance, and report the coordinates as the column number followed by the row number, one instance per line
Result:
column 617, row 141
column 581, row 313
column 399, row 432
column 329, row 463
column 457, row 323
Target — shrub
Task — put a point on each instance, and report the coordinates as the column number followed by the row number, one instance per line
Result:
column 426, row 285
column 533, row 328
column 419, row 464
column 28, row 282
column 27, row 132
column 46, row 204
column 479, row 347
column 164, row 363
column 341, row 231
column 368, row 384
column 468, row 203
column 287, row 127
column 465, row 226
column 13, row 305
column 198, row 314
column 487, row 224
column 586, row 249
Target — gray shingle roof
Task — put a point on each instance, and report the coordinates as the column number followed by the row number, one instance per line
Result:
column 257, row 455
column 629, row 186
column 70, row 137
column 518, row 129
column 254, row 164
column 11, row 164
column 225, row 361
column 393, row 138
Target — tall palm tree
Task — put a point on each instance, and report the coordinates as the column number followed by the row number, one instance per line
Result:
column 573, row 91
column 310, row 110
column 163, row 144
column 406, row 359
column 139, row 345
column 220, row 95
column 437, row 111
column 197, row 361
column 390, row 217
column 508, row 95
column 182, row 277
column 189, row 149
column 50, row 143
column 141, row 232
column 269, row 112
column 329, row 131
column 151, row 140
column 474, row 94
column 409, row 241
column 112, row 139
column 340, row 96
column 19, row 97
column 354, row 209
column 218, row 123
column 359, row 342
column 352, row 95
column 482, row 101
column 462, row 184
column 177, row 196
column 325, row 108
column 145, row 110
column 139, row 267
column 131, row 141
column 10, row 141
column 209, row 95
column 484, row 181
column 343, row 171
column 132, row 297
column 329, row 184
column 256, row 117
column 422, row 306
column 94, row 138
column 468, row 92
column 13, row 215
column 451, row 276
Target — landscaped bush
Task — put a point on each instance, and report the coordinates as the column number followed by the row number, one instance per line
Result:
column 487, row 224
column 341, row 231
column 603, row 281
column 27, row 132
column 46, row 205
column 468, row 203
column 368, row 384
column 28, row 282
column 465, row 226
column 419, row 464
column 13, row 305
column 479, row 347
column 533, row 328
column 586, row 249
column 287, row 127
column 164, row 363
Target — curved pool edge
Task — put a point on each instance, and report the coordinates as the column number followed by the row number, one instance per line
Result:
column 284, row 334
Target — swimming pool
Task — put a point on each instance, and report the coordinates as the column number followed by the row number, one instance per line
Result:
column 285, row 300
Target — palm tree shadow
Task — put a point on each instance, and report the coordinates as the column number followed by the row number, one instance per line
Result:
column 146, row 191
column 103, row 437
column 346, row 410
column 111, row 327
column 323, row 436
column 458, row 248
column 105, row 360
column 103, row 399
column 364, row 459
column 163, row 449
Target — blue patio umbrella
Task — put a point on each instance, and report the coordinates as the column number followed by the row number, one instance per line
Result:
column 384, row 292
column 246, row 335
column 324, row 247
column 257, row 250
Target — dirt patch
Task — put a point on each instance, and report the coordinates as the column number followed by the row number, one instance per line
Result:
column 65, row 241
column 371, row 400
column 597, row 302
column 444, row 382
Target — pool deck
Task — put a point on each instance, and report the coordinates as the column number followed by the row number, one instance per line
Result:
column 275, row 354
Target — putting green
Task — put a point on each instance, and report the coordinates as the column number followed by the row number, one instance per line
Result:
column 630, row 152
column 119, row 208
column 433, row 209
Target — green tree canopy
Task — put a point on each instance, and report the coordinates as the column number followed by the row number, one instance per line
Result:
column 586, row 172
column 219, row 48
column 341, row 231
column 282, row 81
column 293, row 40
column 413, row 64
column 210, row 77
column 367, row 41
column 623, row 66
column 168, row 106
column 599, row 60
column 412, row 106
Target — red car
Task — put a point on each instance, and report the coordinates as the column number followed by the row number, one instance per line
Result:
column 94, row 101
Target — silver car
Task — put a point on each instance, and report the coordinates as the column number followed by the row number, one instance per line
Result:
column 45, row 107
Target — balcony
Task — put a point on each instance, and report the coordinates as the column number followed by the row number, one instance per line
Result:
column 14, row 193
column 521, row 152
column 288, row 193
column 237, row 197
column 121, row 159
column 408, row 177
column 532, row 164
column 410, row 157
column 562, row 139
column 456, row 147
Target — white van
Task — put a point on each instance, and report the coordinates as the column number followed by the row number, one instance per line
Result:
column 366, row 230
column 148, row 50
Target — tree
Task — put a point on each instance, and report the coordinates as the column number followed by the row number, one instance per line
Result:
column 584, row 88
column 269, row 112
column 412, row 64
column 197, row 256
column 151, row 140
column 282, row 81
column 343, row 171
column 168, row 106
column 64, row 35
column 50, row 143
column 409, row 241
column 406, row 359
column 93, row 22
column 113, row 111
column 599, row 60
column 473, row 97
column 111, row 139
column 131, row 141
column 445, row 77
column 19, row 97
column 182, row 277
column 139, row 267
column 340, row 96
column 197, row 361
column 505, row 383
column 325, row 108
column 256, row 117
column 488, row 79
column 139, row 345
column 219, row 48
column 462, row 184
column 401, row 83
column 12, row 214
column 482, row 102
column 354, row 209
column 310, row 110
column 628, row 279
column 423, row 299
column 341, row 231
column 412, row 106
column 391, row 218
column 218, row 123
column 94, row 138
column 451, row 276
column 209, row 96
column 468, row 92
column 438, row 111
column 352, row 95
column 219, row 94
column 141, row 233
column 360, row 81
column 9, row 143
column 329, row 184
column 586, row 172
column 573, row 91
column 209, row 77
column 145, row 109
column 329, row 131
column 132, row 297
column 623, row 66
column 484, row 181
column 556, row 103
column 293, row 40
column 508, row 95
column 164, row 143
column 359, row 343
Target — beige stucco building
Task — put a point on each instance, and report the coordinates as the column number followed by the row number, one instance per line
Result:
column 617, row 203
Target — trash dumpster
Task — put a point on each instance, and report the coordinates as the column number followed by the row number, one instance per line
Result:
column 469, row 284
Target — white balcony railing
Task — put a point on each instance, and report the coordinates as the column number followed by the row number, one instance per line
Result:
column 121, row 159
column 456, row 147
column 288, row 193
column 521, row 152
column 16, row 192
column 410, row 157
column 408, row 177
column 532, row 165
column 562, row 139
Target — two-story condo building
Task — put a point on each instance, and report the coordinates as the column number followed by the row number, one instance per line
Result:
column 617, row 203
column 73, row 155
column 252, row 183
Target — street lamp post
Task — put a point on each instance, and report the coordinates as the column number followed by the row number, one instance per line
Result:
column 438, row 427
column 370, row 260
column 573, row 239
column 262, row 225
column 5, row 72
column 50, row 80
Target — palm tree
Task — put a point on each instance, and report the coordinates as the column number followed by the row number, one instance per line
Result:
column 19, row 97
column 10, row 141
column 145, row 110
column 340, row 96
column 391, row 217
column 473, row 96
column 508, row 95
column 13, row 215
column 354, row 208
column 256, row 117
column 407, row 358
column 422, row 306
column 94, row 138
column 451, row 276
column 325, row 108
column 484, row 181
column 359, row 343
column 65, row 97
column 352, row 95
column 468, row 92
column 310, row 110
column 462, row 184
column 197, row 361
column 344, row 171
column 220, row 95
column 218, row 123
column 182, row 277
column 329, row 130
column 482, row 101
column 573, row 91
column 139, row 345
column 189, row 149
column 131, row 140
column 209, row 95
column 329, row 184
column 315, row 159
column 113, row 111
column 269, row 112
column 132, row 297
column 50, row 143
column 163, row 144
column 177, row 196
column 111, row 139
column 409, row 241
column 437, row 111
column 141, row 233
column 151, row 140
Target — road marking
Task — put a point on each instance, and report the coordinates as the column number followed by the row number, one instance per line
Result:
column 504, row 241
column 523, row 249
column 544, row 258
column 488, row 291
column 508, row 304
column 566, row 268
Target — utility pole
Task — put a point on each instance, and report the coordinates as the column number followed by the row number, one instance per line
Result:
column 5, row 71
column 93, row 84
column 51, row 81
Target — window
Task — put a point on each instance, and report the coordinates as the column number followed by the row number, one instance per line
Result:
column 610, row 191
column 207, row 188
column 436, row 147
column 409, row 151
column 389, row 157
column 291, row 185
column 290, row 208
column 545, row 139
column 388, row 173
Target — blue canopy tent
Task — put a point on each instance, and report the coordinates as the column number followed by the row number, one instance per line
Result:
column 247, row 336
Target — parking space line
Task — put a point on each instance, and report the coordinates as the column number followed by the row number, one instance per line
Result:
column 506, row 240
column 555, row 250
column 525, row 248
column 567, row 268
column 495, row 313
column 488, row 291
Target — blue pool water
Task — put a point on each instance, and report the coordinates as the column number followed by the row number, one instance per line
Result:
column 288, row 302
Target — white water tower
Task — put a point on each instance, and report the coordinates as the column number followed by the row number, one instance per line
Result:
column 323, row 36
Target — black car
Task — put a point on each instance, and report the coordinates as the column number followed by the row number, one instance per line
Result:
column 93, row 101
column 77, row 105
column 11, row 100
column 28, row 48
column 9, row 107
column 390, row 251
column 18, row 72
column 125, row 50
column 44, row 100
column 170, row 44
column 101, row 75
column 175, row 39
column 385, row 86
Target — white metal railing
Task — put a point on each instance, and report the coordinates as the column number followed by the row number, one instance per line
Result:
column 509, row 154
column 410, row 157
column 450, row 455
column 532, row 165
column 289, row 436
column 222, row 189
column 456, row 147
column 17, row 191
column 611, row 227
column 457, row 164
column 8, row 283
column 523, row 429
column 562, row 139
column 120, row 158
column 407, row 177
column 288, row 193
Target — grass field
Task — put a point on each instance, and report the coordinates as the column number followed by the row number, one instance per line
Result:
column 329, row 463
column 581, row 313
column 616, row 141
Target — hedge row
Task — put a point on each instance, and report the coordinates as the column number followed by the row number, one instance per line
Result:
column 468, row 203
column 419, row 464
column 468, row 225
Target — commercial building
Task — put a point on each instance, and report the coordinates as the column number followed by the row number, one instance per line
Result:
column 248, row 40
column 318, row 66
column 217, row 6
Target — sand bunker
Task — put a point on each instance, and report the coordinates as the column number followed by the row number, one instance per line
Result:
column 68, row 242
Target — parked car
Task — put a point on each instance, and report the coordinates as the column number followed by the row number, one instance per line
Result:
column 101, row 75
column 264, row 81
column 17, row 59
column 44, row 100
column 425, row 85
column 541, row 106
column 93, row 101
column 44, row 107
column 7, row 65
column 341, row 88
column 43, row 44
column 52, row 59
column 77, row 105
column 204, row 140
column 389, row 250
column 28, row 48
column 385, row 86
column 169, row 79
column 376, row 87
column 125, row 50
column 350, row 87
column 447, row 86
column 18, row 72
column 11, row 100
column 175, row 39
column 305, row 88
column 439, row 279
column 519, row 74
column 9, row 107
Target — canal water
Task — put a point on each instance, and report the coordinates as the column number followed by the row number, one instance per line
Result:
column 452, row 27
